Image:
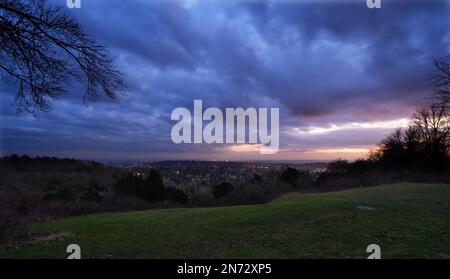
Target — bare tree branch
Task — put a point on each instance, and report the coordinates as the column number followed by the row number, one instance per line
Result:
column 440, row 81
column 42, row 49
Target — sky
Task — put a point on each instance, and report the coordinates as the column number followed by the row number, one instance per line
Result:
column 343, row 76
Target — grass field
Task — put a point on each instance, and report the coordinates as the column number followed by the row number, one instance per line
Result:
column 406, row 220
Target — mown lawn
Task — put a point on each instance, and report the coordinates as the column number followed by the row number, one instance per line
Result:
column 407, row 220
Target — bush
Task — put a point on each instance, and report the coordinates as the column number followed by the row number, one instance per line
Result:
column 202, row 199
column 13, row 228
column 16, row 211
column 150, row 188
column 93, row 192
column 61, row 194
column 290, row 176
column 174, row 194
column 222, row 189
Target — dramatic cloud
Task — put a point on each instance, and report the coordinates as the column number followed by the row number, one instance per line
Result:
column 343, row 76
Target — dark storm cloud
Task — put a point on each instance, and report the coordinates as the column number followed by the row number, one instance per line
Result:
column 321, row 62
column 344, row 52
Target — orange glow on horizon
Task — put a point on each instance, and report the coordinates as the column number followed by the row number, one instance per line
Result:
column 246, row 148
column 343, row 150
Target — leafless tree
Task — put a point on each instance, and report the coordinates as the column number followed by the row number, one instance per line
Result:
column 42, row 49
column 412, row 142
column 427, row 139
column 393, row 146
column 440, row 81
column 432, row 122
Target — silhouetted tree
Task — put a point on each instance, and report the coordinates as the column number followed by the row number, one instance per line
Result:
column 174, row 194
column 424, row 144
column 290, row 175
column 441, row 80
column 42, row 48
column 339, row 167
column 392, row 149
column 222, row 189
column 413, row 146
column 92, row 193
column 432, row 122
column 128, row 185
column 151, row 188
column 258, row 179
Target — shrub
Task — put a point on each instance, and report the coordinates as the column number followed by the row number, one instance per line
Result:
column 150, row 188
column 13, row 228
column 61, row 194
column 222, row 189
column 202, row 198
column 290, row 176
column 174, row 194
column 92, row 193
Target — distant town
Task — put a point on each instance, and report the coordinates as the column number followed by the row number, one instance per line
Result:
column 194, row 175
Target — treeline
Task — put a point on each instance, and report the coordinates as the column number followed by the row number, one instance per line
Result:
column 420, row 152
column 47, row 164
column 54, row 179
column 425, row 144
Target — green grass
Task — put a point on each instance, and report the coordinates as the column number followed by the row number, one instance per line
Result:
column 409, row 221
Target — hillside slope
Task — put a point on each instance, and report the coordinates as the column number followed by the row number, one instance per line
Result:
column 406, row 220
